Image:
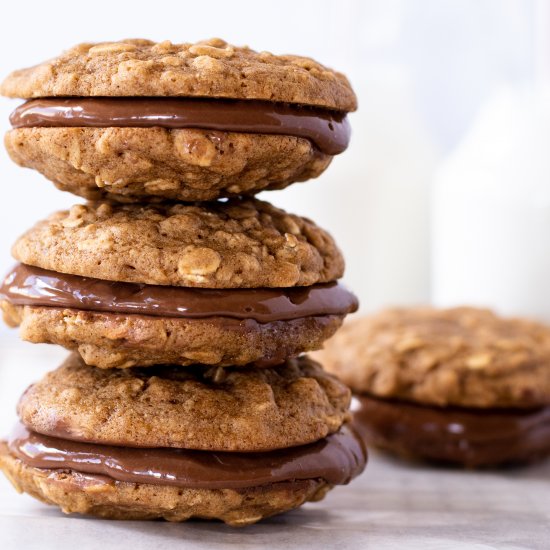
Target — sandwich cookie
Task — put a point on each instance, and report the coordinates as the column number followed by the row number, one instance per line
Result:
column 134, row 119
column 461, row 386
column 227, row 283
column 230, row 444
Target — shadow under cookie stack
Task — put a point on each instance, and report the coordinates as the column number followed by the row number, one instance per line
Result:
column 186, row 302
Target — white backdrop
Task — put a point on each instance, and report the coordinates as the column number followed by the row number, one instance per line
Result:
column 421, row 68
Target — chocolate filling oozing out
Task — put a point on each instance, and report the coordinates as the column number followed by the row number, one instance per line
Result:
column 33, row 286
column 328, row 130
column 472, row 437
column 336, row 459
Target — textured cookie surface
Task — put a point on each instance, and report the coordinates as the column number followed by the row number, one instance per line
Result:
column 128, row 164
column 210, row 68
column 233, row 244
column 98, row 496
column 464, row 356
column 108, row 340
column 207, row 409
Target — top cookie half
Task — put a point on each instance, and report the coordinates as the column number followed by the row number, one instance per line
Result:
column 210, row 68
column 138, row 120
column 464, row 357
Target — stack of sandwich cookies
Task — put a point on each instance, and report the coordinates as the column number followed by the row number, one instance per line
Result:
column 187, row 394
column 460, row 386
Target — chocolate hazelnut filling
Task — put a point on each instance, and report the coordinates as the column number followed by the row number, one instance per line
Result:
column 474, row 437
column 33, row 286
column 336, row 459
column 328, row 130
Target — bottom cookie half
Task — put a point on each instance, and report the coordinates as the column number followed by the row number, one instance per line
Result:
column 469, row 437
column 104, row 497
column 129, row 164
column 178, row 484
column 109, row 340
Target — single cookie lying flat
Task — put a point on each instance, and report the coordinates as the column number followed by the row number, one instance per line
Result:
column 137, row 119
column 199, row 408
column 459, row 385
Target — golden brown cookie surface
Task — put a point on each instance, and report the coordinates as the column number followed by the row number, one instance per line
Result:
column 464, row 356
column 207, row 409
column 129, row 164
column 226, row 244
column 211, row 68
column 109, row 340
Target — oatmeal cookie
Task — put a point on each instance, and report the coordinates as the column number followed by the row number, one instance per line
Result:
column 206, row 409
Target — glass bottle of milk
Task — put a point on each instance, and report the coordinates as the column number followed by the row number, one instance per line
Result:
column 491, row 211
